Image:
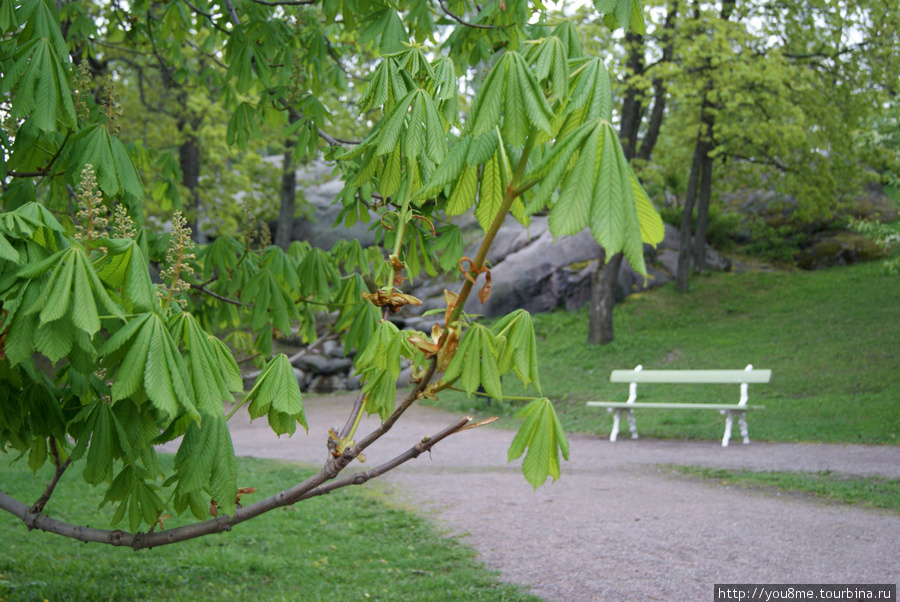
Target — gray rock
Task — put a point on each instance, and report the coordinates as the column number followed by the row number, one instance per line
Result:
column 533, row 278
column 322, row 365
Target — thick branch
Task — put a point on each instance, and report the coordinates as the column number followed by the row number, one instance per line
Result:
column 138, row 541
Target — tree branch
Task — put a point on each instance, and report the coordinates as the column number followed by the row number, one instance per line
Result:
column 200, row 288
column 38, row 506
column 414, row 452
column 208, row 16
column 331, row 470
column 459, row 19
column 286, row 2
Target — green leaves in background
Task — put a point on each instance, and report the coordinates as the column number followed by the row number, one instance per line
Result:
column 276, row 394
column 542, row 434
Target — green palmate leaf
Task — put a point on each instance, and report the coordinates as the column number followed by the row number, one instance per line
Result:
column 383, row 350
column 221, row 254
column 598, row 191
column 41, row 85
column 449, row 242
column 277, row 394
column 386, row 86
column 510, row 90
column 385, row 23
column 360, row 322
column 567, row 32
column 72, row 286
column 590, row 96
column 519, row 351
column 380, row 390
column 272, row 302
column 490, row 193
column 115, row 171
column 202, row 361
column 150, row 366
column 124, row 268
column 316, row 271
column 205, row 461
column 542, row 434
column 475, row 363
column 622, row 13
column 550, row 60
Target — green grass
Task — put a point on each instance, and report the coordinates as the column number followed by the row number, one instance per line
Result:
column 344, row 546
column 876, row 492
column 831, row 338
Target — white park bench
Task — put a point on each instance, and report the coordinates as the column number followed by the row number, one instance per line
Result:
column 742, row 377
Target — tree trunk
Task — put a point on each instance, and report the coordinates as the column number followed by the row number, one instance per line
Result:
column 189, row 162
column 285, row 224
column 603, row 300
column 603, row 284
column 632, row 107
column 702, row 214
column 683, row 271
column 659, row 88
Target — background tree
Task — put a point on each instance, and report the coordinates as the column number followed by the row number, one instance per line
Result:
column 99, row 365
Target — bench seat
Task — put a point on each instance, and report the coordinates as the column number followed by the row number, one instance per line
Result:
column 741, row 377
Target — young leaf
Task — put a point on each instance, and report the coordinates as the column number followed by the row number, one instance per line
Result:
column 475, row 362
column 520, row 351
column 542, row 434
column 276, row 391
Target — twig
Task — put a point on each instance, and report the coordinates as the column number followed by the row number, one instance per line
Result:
column 208, row 16
column 351, row 420
column 460, row 20
column 204, row 290
column 60, row 469
column 286, row 2
column 414, row 452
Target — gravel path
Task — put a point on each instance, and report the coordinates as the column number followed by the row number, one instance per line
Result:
column 616, row 526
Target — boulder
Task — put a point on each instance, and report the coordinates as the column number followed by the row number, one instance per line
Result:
column 841, row 248
column 323, row 365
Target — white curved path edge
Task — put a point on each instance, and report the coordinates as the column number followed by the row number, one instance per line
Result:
column 616, row 527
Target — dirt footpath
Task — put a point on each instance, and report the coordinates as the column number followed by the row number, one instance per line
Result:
column 616, row 526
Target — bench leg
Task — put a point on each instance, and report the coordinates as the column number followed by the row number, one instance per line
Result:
column 632, row 424
column 729, row 419
column 742, row 420
column 615, row 429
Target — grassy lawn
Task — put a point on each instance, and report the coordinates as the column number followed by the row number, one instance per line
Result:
column 831, row 338
column 344, row 546
column 869, row 491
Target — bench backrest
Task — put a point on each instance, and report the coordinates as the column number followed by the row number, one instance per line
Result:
column 691, row 376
